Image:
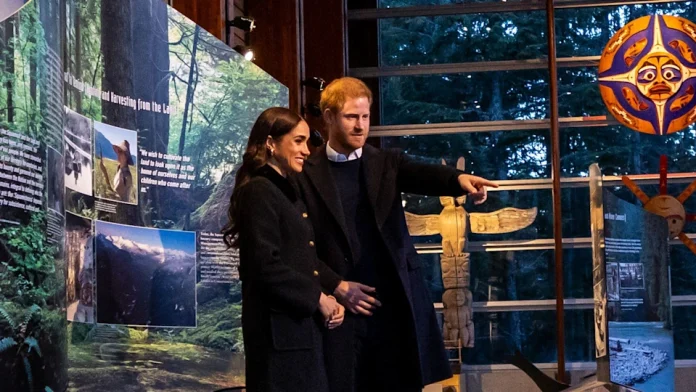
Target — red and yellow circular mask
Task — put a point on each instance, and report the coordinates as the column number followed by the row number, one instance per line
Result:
column 647, row 74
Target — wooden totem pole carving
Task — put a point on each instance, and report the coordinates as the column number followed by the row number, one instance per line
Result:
column 452, row 224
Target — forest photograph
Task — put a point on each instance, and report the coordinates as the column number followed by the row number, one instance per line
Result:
column 33, row 328
column 210, row 97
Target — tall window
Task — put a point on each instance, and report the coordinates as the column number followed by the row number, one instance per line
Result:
column 470, row 78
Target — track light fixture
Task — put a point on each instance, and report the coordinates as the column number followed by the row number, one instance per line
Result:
column 245, row 51
column 243, row 23
column 315, row 83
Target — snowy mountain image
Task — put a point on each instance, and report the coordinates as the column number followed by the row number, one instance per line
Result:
column 146, row 277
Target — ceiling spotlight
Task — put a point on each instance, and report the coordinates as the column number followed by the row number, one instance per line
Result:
column 315, row 83
column 315, row 138
column 243, row 23
column 245, row 51
column 313, row 109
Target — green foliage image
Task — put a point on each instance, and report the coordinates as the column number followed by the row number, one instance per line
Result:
column 22, row 341
column 31, row 287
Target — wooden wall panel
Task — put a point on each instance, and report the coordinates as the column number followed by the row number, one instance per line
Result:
column 186, row 7
column 324, row 47
column 212, row 14
column 276, row 42
column 209, row 14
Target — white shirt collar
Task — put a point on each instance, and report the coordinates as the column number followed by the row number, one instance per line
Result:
column 336, row 156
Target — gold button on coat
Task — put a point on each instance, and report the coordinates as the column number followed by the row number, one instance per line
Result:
column 311, row 243
column 316, row 273
column 304, row 215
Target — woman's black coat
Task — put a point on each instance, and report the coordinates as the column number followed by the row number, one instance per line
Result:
column 280, row 272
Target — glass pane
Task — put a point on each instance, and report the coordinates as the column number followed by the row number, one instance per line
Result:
column 495, row 155
column 683, row 270
column 575, row 209
column 578, row 93
column 497, row 335
column 620, row 151
column 512, row 276
column 463, row 38
column 577, row 273
column 684, row 332
column 432, row 273
column 579, row 335
column 585, row 31
column 487, row 96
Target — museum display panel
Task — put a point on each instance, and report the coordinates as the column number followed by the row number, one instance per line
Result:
column 121, row 129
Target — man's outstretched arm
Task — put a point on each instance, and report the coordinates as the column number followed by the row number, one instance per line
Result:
column 438, row 180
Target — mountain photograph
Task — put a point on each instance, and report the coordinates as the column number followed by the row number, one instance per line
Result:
column 145, row 277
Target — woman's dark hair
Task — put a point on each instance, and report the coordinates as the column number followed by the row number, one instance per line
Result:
column 273, row 122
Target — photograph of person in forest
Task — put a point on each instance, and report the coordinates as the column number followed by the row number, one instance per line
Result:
column 123, row 179
column 117, row 176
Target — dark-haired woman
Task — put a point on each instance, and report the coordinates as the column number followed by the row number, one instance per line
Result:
column 284, row 309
